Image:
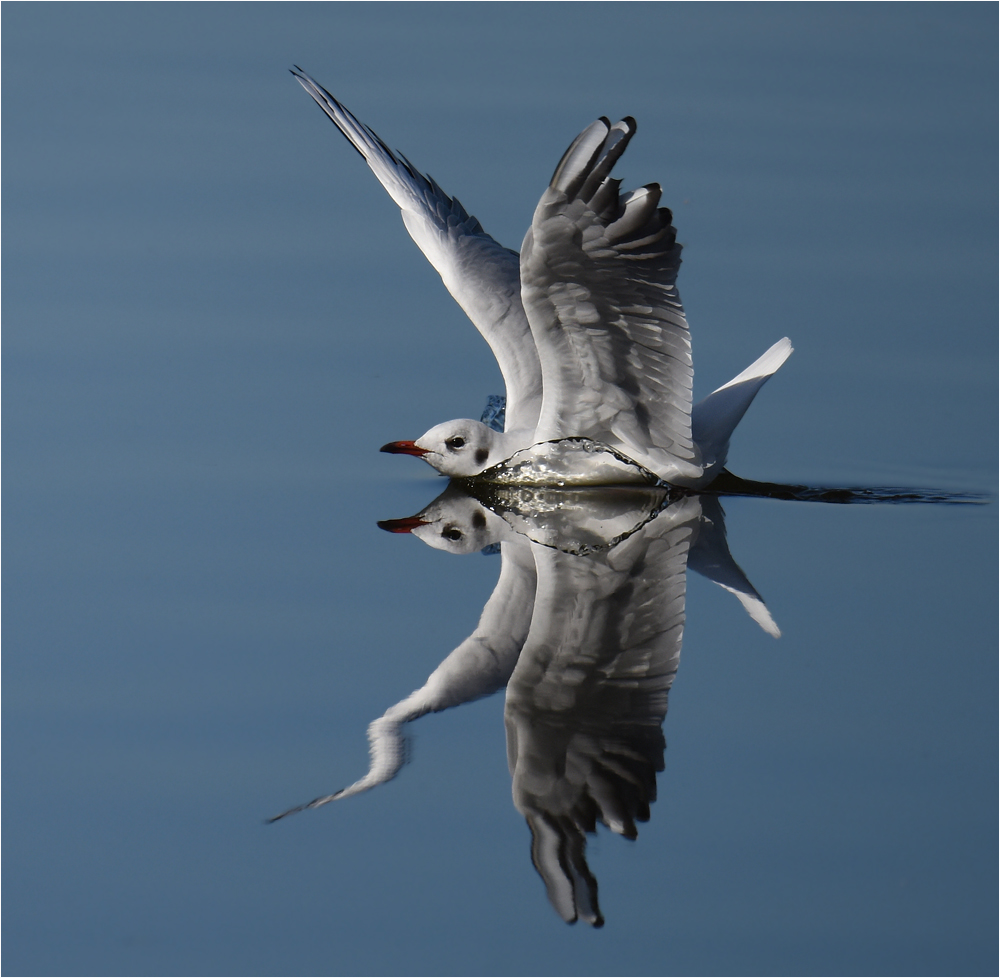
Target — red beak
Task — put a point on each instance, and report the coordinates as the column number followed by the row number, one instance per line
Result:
column 403, row 448
column 406, row 525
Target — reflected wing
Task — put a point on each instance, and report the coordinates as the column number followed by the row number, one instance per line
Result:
column 598, row 274
column 481, row 274
column 587, row 699
column 479, row 666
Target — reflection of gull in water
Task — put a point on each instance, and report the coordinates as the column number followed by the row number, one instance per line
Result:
column 588, row 696
column 586, row 324
column 482, row 664
column 584, row 627
column 585, row 624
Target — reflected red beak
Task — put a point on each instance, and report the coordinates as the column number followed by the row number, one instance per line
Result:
column 403, row 448
column 406, row 525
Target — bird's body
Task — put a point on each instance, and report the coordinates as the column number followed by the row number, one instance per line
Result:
column 586, row 323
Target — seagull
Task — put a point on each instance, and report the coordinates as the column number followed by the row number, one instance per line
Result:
column 586, row 323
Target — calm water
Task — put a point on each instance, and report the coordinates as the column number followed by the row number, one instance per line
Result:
column 214, row 318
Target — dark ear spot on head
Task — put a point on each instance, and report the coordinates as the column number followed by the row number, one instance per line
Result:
column 478, row 520
column 482, row 454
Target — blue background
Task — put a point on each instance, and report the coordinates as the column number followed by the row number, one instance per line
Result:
column 213, row 319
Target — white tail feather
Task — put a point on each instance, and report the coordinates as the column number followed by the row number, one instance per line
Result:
column 714, row 419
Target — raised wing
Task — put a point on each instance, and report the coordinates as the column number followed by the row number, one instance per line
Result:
column 598, row 274
column 588, row 696
column 481, row 274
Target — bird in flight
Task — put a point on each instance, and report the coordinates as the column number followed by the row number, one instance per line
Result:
column 586, row 323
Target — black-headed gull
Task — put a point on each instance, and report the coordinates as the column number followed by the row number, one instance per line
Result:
column 586, row 324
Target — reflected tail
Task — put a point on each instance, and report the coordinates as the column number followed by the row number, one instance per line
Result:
column 711, row 558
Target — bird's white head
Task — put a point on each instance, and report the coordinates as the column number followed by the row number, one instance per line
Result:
column 454, row 522
column 460, row 448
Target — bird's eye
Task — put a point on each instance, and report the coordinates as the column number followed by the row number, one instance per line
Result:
column 451, row 533
column 455, row 443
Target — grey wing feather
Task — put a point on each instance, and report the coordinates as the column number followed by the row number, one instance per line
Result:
column 598, row 283
column 481, row 274
column 589, row 693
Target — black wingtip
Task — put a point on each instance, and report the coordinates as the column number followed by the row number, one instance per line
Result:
column 285, row 814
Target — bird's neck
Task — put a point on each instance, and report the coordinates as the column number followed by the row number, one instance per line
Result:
column 506, row 443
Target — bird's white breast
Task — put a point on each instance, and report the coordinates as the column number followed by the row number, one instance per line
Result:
column 569, row 462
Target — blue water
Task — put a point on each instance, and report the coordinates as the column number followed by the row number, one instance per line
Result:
column 214, row 318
